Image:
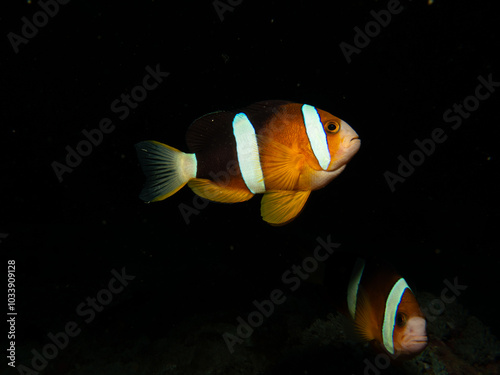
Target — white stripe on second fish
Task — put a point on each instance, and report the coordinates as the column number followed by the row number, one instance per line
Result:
column 391, row 310
column 353, row 287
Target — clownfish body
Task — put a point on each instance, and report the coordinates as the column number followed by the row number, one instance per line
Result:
column 280, row 149
column 385, row 310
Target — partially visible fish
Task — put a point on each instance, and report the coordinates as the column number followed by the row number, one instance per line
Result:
column 385, row 310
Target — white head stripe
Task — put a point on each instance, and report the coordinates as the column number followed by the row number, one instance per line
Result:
column 248, row 153
column 391, row 310
column 352, row 288
column 316, row 135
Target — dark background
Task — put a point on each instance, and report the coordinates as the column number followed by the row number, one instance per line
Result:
column 66, row 237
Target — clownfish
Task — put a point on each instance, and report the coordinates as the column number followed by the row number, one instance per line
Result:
column 385, row 311
column 281, row 149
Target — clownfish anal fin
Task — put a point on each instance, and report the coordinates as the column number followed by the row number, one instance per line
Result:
column 280, row 164
column 210, row 190
column 363, row 322
column 280, row 207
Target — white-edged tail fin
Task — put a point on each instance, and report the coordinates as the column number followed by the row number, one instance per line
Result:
column 167, row 169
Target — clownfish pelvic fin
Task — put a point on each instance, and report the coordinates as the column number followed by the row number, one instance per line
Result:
column 167, row 169
column 282, row 165
column 280, row 207
column 363, row 321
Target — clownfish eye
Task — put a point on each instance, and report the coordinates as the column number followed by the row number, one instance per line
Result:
column 332, row 127
column 401, row 319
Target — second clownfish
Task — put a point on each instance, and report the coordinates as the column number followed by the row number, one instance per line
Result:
column 385, row 310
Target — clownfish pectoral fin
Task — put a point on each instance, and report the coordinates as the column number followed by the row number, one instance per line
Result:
column 363, row 322
column 167, row 169
column 210, row 190
column 281, row 207
column 281, row 165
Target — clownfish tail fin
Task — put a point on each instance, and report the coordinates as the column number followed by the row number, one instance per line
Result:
column 167, row 169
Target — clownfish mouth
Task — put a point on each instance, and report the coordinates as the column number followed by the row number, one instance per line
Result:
column 415, row 338
column 355, row 143
column 349, row 142
column 348, row 148
column 351, row 146
column 414, row 345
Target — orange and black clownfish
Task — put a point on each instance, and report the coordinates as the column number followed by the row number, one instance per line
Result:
column 280, row 149
column 385, row 311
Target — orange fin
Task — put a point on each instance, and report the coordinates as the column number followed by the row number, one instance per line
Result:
column 363, row 323
column 281, row 165
column 210, row 190
column 281, row 207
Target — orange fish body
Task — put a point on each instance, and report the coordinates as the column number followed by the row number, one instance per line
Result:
column 280, row 149
column 385, row 310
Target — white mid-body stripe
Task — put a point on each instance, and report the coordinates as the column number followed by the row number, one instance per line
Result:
column 353, row 287
column 391, row 310
column 316, row 134
column 248, row 154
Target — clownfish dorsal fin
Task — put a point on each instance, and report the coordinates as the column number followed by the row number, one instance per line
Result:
column 214, row 125
column 205, row 129
column 363, row 322
column 266, row 107
column 280, row 207
column 210, row 190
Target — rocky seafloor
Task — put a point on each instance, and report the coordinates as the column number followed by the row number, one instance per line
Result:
column 287, row 343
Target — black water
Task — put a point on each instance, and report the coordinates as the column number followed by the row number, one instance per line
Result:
column 67, row 234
